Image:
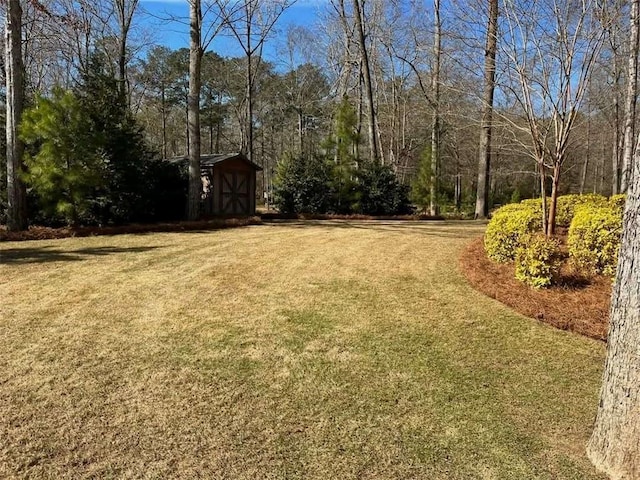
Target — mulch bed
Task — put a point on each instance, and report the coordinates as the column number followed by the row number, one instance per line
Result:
column 48, row 233
column 579, row 303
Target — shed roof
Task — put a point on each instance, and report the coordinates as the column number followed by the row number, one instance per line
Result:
column 210, row 160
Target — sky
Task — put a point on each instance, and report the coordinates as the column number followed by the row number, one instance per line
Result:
column 175, row 34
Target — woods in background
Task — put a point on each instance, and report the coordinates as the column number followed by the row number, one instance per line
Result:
column 497, row 103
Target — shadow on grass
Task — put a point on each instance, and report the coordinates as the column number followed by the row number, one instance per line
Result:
column 433, row 228
column 48, row 254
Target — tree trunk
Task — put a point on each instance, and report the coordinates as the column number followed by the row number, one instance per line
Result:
column 249, row 100
column 16, row 192
column 125, row 10
column 435, row 126
column 366, row 73
column 615, row 155
column 614, row 446
column 300, row 130
column 218, row 126
column 585, row 166
column 122, row 67
column 543, row 196
column 630, row 101
column 551, row 223
column 163, row 104
column 193, row 111
column 484, row 160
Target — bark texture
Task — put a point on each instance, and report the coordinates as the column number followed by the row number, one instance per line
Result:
column 614, row 446
column 16, row 192
column 484, row 160
column 630, row 101
column 193, row 108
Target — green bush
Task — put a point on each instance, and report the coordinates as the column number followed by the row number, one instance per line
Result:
column 594, row 239
column 378, row 191
column 506, row 229
column 302, row 184
column 538, row 260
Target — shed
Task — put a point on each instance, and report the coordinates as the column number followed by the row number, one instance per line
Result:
column 228, row 184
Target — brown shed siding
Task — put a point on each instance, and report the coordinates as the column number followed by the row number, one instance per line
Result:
column 229, row 183
column 233, row 188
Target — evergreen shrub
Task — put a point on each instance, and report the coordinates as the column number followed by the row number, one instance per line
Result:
column 594, row 239
column 508, row 227
column 538, row 260
column 303, row 184
column 567, row 205
column 378, row 192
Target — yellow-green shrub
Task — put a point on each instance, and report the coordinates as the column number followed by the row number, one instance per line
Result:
column 567, row 204
column 534, row 202
column 594, row 239
column 617, row 202
column 538, row 260
column 505, row 229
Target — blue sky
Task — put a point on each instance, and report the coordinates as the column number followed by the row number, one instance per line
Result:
column 175, row 34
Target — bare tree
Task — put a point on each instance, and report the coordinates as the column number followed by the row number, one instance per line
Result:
column 14, row 75
column 366, row 76
column 614, row 446
column 484, row 161
column 550, row 48
column 250, row 23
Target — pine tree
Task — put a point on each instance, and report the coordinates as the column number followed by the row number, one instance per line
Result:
column 64, row 163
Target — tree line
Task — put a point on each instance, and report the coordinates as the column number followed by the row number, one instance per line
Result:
column 502, row 101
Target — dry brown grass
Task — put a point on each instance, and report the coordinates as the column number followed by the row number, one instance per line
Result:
column 305, row 350
column 579, row 303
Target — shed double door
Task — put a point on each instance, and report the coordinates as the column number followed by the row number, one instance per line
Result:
column 235, row 193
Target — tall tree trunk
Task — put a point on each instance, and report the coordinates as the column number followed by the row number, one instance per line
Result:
column 300, row 130
column 630, row 101
column 218, row 125
column 16, row 192
column 366, row 74
column 163, row 104
column 193, row 111
column 614, row 446
column 615, row 154
column 434, row 208
column 484, row 160
column 249, row 100
column 125, row 10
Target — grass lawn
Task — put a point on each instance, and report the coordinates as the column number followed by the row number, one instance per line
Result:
column 304, row 350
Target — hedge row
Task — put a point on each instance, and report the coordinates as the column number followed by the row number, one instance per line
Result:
column 595, row 225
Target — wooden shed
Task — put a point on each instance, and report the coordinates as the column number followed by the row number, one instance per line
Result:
column 228, row 184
